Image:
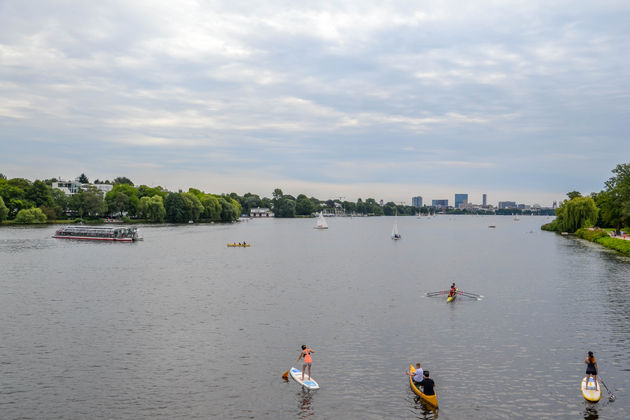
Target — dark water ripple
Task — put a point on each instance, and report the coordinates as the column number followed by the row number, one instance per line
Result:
column 181, row 327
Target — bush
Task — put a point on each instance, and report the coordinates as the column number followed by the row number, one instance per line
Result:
column 32, row 215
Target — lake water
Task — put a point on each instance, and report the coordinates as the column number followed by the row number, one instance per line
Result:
column 181, row 327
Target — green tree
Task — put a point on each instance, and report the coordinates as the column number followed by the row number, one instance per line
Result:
column 616, row 202
column 196, row 208
column 573, row 194
column 39, row 194
column 88, row 202
column 579, row 212
column 177, row 208
column 211, row 207
column 60, row 201
column 304, row 206
column 122, row 198
column 4, row 211
column 83, row 179
column 13, row 195
column 123, row 180
column 32, row 215
column 145, row 191
column 152, row 208
column 250, row 201
column 285, row 208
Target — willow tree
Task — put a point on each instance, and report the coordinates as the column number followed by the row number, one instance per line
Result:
column 576, row 213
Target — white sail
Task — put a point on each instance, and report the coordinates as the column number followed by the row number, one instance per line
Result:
column 321, row 222
column 395, row 234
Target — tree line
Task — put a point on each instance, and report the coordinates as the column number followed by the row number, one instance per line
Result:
column 24, row 201
column 609, row 208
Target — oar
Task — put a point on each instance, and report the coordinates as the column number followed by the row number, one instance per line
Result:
column 612, row 396
column 472, row 295
column 437, row 293
column 285, row 375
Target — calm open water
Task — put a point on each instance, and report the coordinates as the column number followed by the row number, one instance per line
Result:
column 181, row 327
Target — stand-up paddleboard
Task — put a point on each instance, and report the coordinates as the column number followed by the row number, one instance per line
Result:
column 588, row 390
column 307, row 383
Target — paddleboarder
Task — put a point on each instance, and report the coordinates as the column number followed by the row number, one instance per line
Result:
column 306, row 354
column 427, row 384
column 591, row 368
column 418, row 375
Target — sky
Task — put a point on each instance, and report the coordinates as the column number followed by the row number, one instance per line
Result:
column 521, row 100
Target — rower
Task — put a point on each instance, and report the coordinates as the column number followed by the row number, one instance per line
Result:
column 453, row 290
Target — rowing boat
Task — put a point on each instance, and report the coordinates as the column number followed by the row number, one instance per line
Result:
column 431, row 399
column 588, row 390
column 238, row 245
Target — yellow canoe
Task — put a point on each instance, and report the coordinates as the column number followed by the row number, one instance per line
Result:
column 238, row 245
column 588, row 390
column 431, row 399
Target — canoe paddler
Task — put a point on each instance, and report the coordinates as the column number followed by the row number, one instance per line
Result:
column 427, row 384
column 306, row 354
column 418, row 375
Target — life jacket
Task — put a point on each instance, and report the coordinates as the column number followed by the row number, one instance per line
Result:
column 307, row 355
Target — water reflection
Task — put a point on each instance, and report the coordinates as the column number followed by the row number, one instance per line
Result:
column 424, row 410
column 306, row 403
column 590, row 412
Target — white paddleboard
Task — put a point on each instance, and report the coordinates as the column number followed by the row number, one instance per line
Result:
column 296, row 374
column 589, row 392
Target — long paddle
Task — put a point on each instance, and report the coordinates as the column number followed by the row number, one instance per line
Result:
column 285, row 375
column 437, row 293
column 612, row 396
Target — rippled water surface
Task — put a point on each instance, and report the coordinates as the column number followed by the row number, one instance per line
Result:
column 181, row 327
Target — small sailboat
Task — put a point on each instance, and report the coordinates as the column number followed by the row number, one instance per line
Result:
column 395, row 235
column 516, row 219
column 321, row 222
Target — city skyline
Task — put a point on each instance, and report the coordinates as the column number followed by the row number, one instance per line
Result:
column 358, row 99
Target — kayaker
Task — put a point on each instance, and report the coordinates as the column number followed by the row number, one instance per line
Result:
column 306, row 354
column 418, row 375
column 427, row 384
column 591, row 368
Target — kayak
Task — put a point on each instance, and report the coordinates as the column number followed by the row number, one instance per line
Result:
column 431, row 399
column 307, row 383
column 238, row 245
column 588, row 390
column 452, row 298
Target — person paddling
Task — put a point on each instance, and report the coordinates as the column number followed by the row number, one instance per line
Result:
column 306, row 354
column 418, row 375
column 427, row 384
column 591, row 368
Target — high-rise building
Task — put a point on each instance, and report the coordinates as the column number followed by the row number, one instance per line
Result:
column 439, row 203
column 460, row 199
column 416, row 201
column 484, row 200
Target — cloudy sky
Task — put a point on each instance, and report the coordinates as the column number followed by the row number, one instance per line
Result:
column 522, row 100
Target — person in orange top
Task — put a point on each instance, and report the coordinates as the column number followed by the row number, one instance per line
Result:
column 306, row 354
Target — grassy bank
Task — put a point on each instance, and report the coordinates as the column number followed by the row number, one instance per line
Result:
column 601, row 237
